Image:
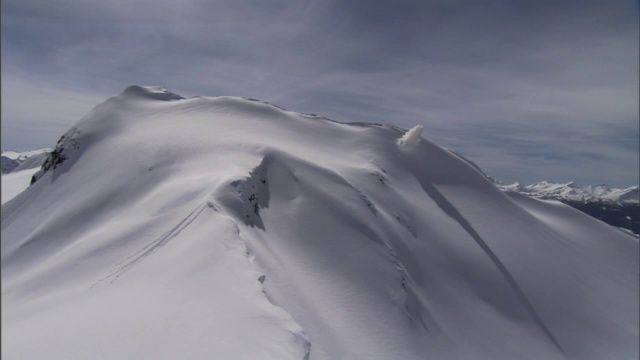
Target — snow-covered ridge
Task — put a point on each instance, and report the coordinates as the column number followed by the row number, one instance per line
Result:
column 574, row 192
column 17, row 161
column 220, row 227
column 150, row 92
column 15, row 155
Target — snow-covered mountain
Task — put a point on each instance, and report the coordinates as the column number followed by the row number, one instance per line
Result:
column 18, row 161
column 221, row 227
column 18, row 169
column 616, row 207
column 574, row 192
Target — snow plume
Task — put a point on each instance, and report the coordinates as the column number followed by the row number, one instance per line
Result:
column 411, row 137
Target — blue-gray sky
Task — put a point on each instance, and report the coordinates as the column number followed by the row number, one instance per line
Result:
column 529, row 90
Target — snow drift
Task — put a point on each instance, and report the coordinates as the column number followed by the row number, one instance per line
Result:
column 162, row 227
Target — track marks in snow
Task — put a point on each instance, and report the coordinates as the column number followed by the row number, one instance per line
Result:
column 371, row 206
column 161, row 241
column 408, row 298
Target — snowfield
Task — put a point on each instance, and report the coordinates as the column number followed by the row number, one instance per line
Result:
column 225, row 228
column 17, row 170
column 16, row 182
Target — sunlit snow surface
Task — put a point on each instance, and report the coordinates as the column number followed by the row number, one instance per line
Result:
column 16, row 182
column 225, row 228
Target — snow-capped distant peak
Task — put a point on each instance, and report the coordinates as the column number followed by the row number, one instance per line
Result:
column 574, row 192
column 15, row 161
column 15, row 155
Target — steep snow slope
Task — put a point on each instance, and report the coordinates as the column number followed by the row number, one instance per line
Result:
column 164, row 228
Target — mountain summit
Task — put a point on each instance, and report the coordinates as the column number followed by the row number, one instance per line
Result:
column 221, row 227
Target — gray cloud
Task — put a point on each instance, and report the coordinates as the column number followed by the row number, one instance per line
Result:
column 35, row 115
column 529, row 90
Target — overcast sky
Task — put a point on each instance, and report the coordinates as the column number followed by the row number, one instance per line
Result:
column 529, row 90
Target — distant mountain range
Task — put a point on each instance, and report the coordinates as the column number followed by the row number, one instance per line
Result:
column 616, row 207
column 15, row 161
column 573, row 192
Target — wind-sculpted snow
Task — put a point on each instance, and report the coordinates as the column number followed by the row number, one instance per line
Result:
column 230, row 228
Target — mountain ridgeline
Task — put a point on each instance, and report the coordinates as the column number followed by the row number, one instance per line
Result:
column 164, row 227
column 616, row 207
